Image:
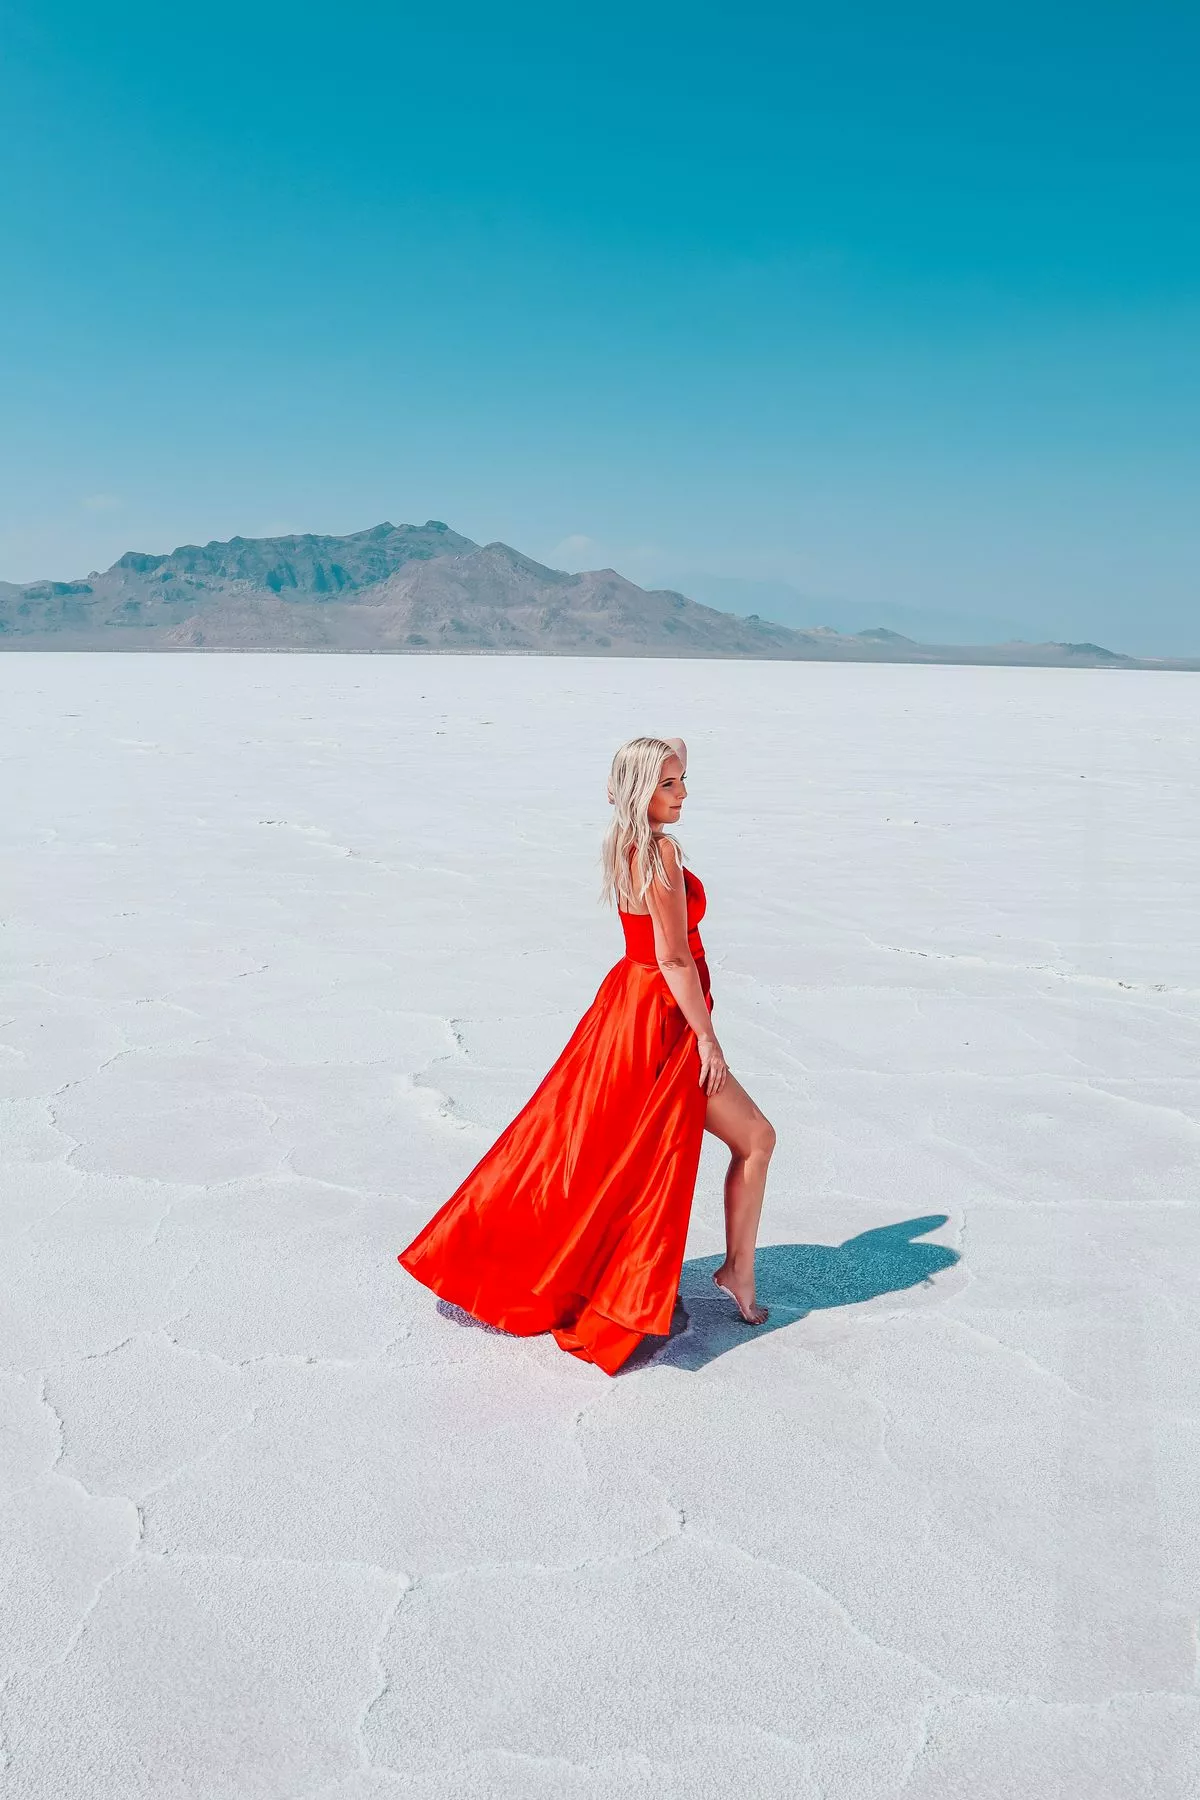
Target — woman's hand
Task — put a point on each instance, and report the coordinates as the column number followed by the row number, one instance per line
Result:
column 713, row 1067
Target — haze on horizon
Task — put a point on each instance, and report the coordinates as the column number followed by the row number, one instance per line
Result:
column 884, row 311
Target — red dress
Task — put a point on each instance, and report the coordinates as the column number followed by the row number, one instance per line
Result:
column 575, row 1220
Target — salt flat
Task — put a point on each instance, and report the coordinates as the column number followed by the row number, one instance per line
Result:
column 285, row 942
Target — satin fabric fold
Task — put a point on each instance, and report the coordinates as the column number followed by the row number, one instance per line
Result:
column 575, row 1220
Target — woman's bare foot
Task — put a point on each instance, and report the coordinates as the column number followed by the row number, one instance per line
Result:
column 741, row 1291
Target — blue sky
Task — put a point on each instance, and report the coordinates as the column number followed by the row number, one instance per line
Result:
column 880, row 307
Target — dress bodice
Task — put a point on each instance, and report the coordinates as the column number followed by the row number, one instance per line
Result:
column 639, row 927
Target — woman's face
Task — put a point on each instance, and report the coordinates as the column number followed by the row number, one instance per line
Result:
column 668, row 797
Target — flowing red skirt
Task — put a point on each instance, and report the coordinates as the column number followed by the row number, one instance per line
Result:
column 575, row 1220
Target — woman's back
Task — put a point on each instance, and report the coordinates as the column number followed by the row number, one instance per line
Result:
column 639, row 927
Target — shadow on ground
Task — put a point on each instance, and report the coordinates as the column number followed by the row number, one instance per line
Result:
column 794, row 1280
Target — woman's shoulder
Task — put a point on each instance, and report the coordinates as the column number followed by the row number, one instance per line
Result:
column 670, row 862
column 670, row 854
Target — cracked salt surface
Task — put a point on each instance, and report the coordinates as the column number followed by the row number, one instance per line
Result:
column 280, row 955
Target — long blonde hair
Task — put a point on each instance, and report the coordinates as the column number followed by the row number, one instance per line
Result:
column 636, row 772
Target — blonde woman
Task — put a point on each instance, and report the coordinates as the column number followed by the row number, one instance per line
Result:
column 575, row 1220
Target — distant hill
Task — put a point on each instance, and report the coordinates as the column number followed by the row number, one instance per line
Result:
column 801, row 608
column 421, row 590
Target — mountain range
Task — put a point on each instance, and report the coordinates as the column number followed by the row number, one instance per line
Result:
column 425, row 589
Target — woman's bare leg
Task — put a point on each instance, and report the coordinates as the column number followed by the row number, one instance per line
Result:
column 737, row 1121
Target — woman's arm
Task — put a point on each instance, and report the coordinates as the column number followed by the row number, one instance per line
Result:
column 668, row 914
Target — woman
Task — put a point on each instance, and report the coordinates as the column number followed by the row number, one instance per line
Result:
column 575, row 1220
